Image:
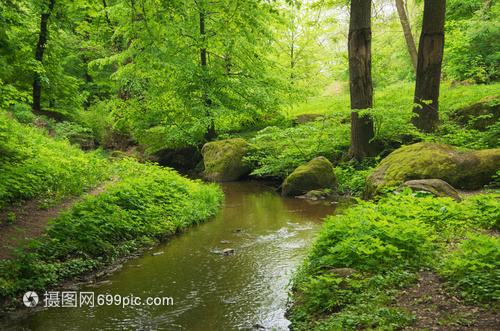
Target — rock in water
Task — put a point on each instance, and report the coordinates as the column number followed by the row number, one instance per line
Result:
column 315, row 175
column 224, row 159
column 436, row 187
column 228, row 251
column 461, row 169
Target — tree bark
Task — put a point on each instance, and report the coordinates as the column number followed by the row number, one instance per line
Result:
column 430, row 58
column 40, row 49
column 360, row 79
column 410, row 43
column 487, row 4
column 210, row 134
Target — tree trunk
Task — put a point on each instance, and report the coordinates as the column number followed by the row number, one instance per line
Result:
column 360, row 79
column 430, row 58
column 40, row 49
column 410, row 43
column 210, row 134
column 487, row 4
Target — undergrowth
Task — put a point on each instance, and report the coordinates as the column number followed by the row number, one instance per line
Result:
column 147, row 205
column 34, row 165
column 388, row 243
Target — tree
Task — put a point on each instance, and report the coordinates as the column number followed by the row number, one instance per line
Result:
column 430, row 58
column 360, row 79
column 405, row 24
column 40, row 49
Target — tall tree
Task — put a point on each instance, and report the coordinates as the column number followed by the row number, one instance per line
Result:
column 410, row 43
column 40, row 49
column 430, row 58
column 360, row 79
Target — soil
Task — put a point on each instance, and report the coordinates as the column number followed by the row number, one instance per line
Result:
column 30, row 221
column 437, row 309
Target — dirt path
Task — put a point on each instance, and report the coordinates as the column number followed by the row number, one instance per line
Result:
column 437, row 309
column 30, row 221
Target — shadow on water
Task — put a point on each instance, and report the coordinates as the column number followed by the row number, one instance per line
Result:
column 269, row 234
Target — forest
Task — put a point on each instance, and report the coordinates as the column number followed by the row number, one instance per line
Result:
column 125, row 92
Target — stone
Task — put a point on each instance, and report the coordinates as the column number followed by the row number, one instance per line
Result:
column 436, row 187
column 315, row 195
column 224, row 159
column 468, row 170
column 489, row 106
column 228, row 251
column 305, row 118
column 317, row 174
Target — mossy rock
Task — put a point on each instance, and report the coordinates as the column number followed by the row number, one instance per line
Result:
column 486, row 106
column 466, row 170
column 315, row 175
column 436, row 187
column 224, row 159
column 305, row 118
column 315, row 195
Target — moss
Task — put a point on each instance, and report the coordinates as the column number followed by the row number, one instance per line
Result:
column 486, row 106
column 224, row 159
column 469, row 170
column 316, row 174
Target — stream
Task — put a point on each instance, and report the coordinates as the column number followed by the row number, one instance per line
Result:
column 270, row 236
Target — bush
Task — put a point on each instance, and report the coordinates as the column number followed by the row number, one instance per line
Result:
column 34, row 165
column 22, row 113
column 149, row 204
column 473, row 268
column 375, row 238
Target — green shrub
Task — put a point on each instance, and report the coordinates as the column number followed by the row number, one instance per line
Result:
column 485, row 211
column 22, row 113
column 473, row 268
column 34, row 165
column 374, row 238
column 147, row 205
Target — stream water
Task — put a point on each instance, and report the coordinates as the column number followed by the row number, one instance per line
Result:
column 270, row 236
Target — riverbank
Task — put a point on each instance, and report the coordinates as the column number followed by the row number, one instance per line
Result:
column 145, row 205
column 408, row 262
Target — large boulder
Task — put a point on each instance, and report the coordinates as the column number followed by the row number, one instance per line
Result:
column 314, row 175
column 467, row 170
column 483, row 113
column 224, row 159
column 436, row 187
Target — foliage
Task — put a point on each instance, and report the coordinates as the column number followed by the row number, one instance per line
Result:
column 473, row 268
column 473, row 46
column 388, row 243
column 147, row 205
column 72, row 131
column 351, row 176
column 279, row 151
column 373, row 237
column 34, row 165
column 485, row 211
column 22, row 113
column 352, row 303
